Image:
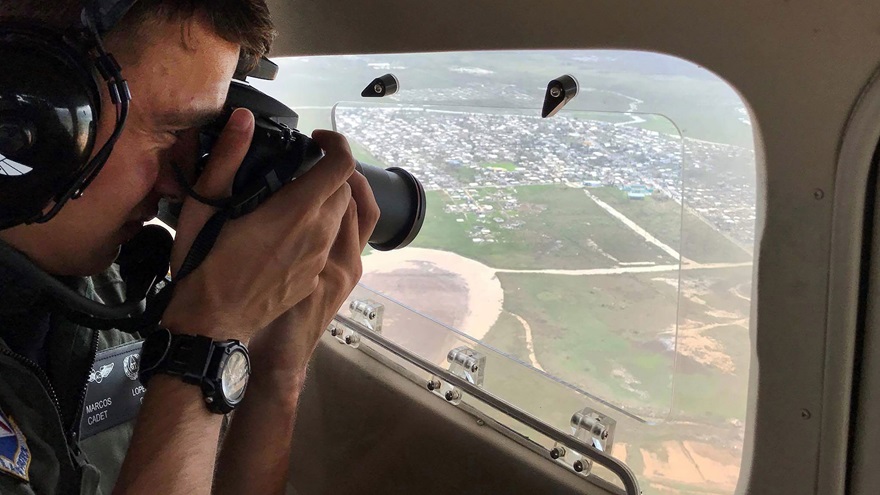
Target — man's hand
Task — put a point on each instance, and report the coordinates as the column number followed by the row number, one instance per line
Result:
column 282, row 351
column 266, row 262
column 255, row 456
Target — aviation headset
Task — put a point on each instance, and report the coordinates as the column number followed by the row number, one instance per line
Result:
column 50, row 105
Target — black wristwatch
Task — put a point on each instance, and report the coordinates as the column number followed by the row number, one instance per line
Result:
column 220, row 368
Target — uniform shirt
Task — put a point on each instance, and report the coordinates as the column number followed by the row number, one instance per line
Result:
column 45, row 363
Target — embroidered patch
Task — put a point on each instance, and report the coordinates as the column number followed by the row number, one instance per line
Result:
column 15, row 456
column 98, row 375
column 131, row 365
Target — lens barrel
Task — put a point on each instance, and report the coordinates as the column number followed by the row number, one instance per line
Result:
column 401, row 200
column 399, row 195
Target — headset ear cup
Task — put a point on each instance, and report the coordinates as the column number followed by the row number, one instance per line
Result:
column 49, row 109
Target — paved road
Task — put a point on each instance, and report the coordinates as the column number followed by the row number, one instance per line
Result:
column 629, row 269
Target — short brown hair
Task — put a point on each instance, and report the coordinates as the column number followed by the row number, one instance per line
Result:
column 244, row 22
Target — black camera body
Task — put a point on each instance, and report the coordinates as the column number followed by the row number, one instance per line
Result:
column 279, row 154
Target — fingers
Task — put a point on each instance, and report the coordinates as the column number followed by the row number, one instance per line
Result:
column 227, row 155
column 319, row 183
column 334, row 169
column 329, row 219
column 367, row 209
column 331, row 142
column 346, row 251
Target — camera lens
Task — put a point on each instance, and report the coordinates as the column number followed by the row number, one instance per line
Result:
column 401, row 200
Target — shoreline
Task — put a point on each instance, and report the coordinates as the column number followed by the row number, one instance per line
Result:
column 484, row 293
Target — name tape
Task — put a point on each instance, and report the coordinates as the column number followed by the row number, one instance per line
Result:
column 114, row 394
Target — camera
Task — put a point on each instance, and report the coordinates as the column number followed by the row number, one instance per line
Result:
column 279, row 154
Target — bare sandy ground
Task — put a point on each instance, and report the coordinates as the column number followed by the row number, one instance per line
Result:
column 691, row 337
column 692, row 463
column 618, row 451
column 485, row 297
column 530, row 343
column 441, row 295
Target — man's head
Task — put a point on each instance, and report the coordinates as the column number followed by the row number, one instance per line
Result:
column 178, row 57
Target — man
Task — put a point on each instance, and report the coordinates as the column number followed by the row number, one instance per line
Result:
column 274, row 278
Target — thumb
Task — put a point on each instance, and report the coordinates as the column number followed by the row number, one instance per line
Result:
column 215, row 181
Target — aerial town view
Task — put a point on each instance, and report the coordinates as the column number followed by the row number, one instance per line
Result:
column 609, row 247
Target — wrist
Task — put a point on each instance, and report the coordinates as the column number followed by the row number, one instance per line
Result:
column 196, row 310
column 183, row 318
column 171, row 390
column 281, row 389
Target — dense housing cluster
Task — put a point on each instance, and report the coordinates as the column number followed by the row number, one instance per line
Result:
column 458, row 150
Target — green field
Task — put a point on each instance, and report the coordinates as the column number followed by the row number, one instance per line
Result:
column 502, row 165
column 604, row 334
column 555, row 227
column 682, row 230
column 652, row 122
column 362, row 154
column 508, row 335
column 658, row 123
column 587, row 327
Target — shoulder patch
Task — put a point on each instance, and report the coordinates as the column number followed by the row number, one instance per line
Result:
column 15, row 456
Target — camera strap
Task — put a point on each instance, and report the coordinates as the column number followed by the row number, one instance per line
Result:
column 203, row 243
column 206, row 238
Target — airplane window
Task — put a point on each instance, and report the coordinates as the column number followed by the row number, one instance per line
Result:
column 608, row 247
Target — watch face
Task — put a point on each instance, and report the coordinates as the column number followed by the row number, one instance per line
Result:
column 235, row 376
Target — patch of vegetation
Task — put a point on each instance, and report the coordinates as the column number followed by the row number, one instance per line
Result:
column 682, row 230
column 516, row 383
column 548, row 227
column 502, row 165
column 362, row 154
column 726, row 394
column 658, row 123
column 508, row 335
column 612, row 335
column 465, row 175
column 600, row 332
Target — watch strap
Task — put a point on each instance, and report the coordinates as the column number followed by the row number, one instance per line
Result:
column 190, row 357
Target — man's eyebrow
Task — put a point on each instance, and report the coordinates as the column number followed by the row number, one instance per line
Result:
column 189, row 118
